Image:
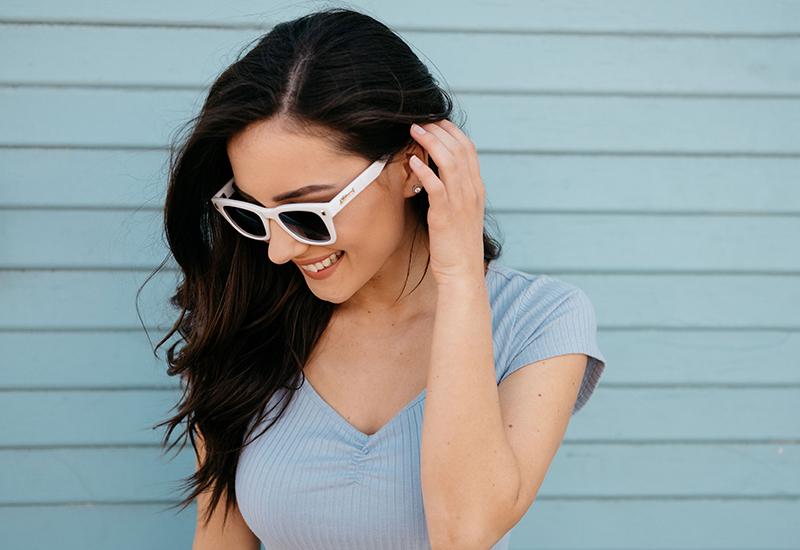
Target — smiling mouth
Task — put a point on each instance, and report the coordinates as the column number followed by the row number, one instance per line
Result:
column 333, row 259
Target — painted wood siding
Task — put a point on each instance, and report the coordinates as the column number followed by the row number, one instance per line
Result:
column 646, row 151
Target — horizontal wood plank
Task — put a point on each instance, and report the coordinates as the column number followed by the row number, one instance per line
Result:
column 44, row 299
column 573, row 124
column 132, row 239
column 121, row 526
column 120, row 417
column 542, row 63
column 671, row 16
column 580, row 470
column 128, row 178
column 624, row 524
column 660, row 524
column 45, row 359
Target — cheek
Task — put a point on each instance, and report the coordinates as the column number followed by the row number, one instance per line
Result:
column 369, row 221
column 367, row 246
column 377, row 228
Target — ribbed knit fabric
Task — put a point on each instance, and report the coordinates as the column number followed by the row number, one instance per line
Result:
column 315, row 482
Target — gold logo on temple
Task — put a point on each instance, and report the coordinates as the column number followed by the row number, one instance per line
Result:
column 341, row 201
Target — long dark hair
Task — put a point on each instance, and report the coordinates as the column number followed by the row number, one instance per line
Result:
column 249, row 325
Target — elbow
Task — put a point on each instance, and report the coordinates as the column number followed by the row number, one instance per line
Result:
column 483, row 541
column 482, row 535
column 477, row 528
column 453, row 543
column 474, row 537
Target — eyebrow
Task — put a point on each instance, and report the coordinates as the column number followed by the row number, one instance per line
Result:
column 306, row 190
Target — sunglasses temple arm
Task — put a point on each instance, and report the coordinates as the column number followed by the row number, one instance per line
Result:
column 359, row 184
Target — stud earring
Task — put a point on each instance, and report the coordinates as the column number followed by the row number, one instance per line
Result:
column 417, row 188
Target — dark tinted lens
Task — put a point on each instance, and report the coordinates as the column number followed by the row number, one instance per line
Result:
column 246, row 220
column 307, row 225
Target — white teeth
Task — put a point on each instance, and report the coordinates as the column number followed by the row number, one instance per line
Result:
column 327, row 262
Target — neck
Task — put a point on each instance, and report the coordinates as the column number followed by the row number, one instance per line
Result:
column 403, row 290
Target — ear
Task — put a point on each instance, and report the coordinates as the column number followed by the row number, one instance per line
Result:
column 410, row 179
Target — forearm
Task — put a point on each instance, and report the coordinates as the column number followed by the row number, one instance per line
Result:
column 468, row 469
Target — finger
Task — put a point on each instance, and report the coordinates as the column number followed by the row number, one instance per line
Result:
column 442, row 156
column 464, row 139
column 437, row 193
column 451, row 142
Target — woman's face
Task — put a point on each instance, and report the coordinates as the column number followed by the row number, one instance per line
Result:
column 374, row 230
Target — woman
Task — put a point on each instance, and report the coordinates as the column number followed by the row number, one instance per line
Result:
column 298, row 210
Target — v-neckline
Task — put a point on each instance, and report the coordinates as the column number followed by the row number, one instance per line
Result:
column 360, row 436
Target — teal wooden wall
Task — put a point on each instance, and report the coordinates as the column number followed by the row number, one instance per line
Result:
column 646, row 151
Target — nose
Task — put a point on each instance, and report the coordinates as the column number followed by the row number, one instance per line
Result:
column 282, row 246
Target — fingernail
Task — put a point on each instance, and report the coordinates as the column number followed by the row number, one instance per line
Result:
column 418, row 129
column 415, row 162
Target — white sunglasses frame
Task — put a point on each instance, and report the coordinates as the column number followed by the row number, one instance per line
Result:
column 325, row 210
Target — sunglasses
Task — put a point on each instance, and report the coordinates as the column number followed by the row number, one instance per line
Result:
column 308, row 222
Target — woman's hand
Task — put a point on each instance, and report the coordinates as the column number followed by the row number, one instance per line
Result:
column 455, row 216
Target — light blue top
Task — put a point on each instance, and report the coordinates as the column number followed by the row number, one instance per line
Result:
column 315, row 482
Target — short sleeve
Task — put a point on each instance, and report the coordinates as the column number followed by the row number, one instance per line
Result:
column 555, row 318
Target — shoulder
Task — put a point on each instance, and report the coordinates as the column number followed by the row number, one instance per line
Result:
column 518, row 293
column 540, row 316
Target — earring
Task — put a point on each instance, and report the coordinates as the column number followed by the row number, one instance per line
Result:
column 417, row 188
